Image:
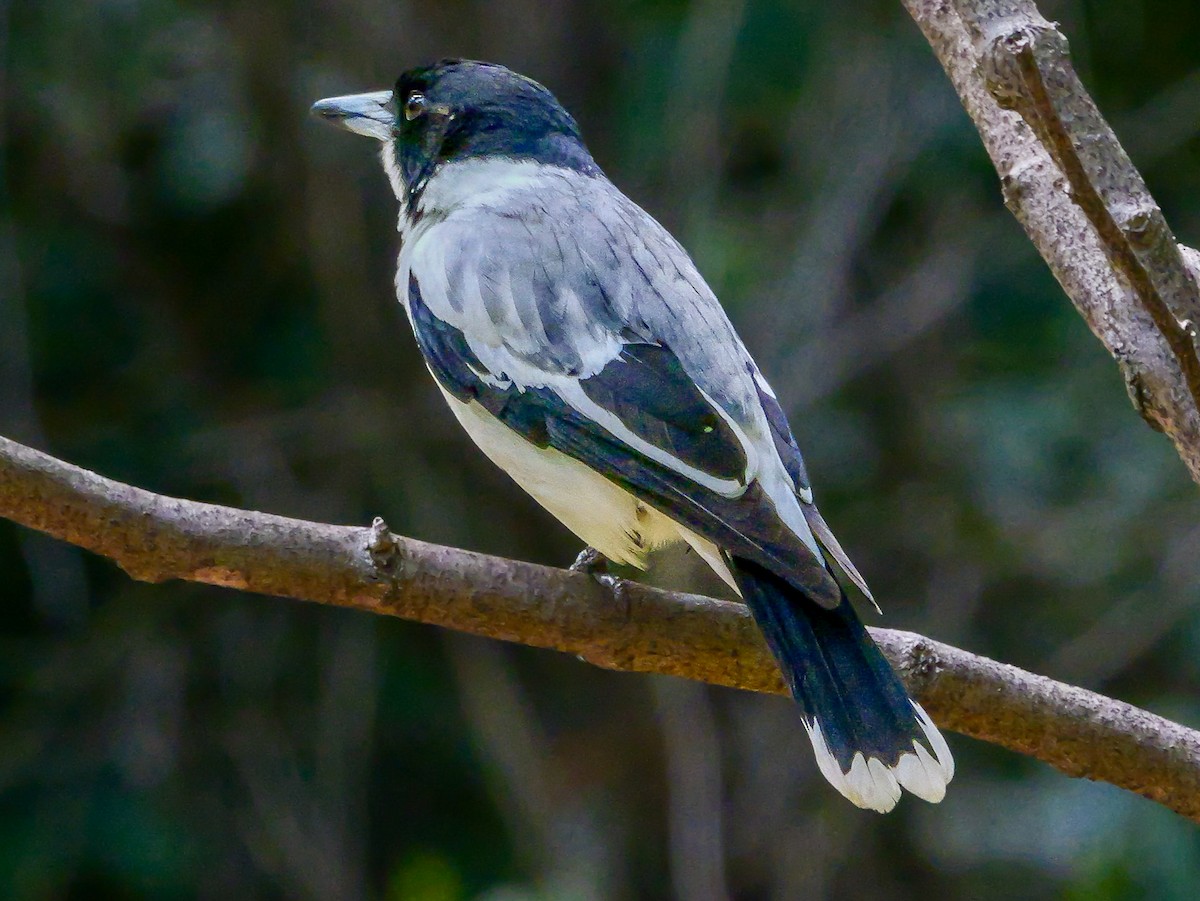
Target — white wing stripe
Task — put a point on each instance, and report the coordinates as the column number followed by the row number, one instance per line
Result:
column 571, row 392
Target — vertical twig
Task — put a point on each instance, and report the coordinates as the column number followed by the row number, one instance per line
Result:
column 1080, row 199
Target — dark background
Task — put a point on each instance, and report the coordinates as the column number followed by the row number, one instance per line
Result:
column 196, row 298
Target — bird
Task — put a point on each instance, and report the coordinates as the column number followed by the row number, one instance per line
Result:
column 577, row 344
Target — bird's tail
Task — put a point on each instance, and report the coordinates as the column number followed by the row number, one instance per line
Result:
column 870, row 738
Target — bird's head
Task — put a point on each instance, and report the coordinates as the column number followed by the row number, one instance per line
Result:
column 457, row 110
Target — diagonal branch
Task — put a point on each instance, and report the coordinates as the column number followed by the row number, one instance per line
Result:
column 1080, row 199
column 631, row 627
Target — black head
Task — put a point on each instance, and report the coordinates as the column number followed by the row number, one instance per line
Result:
column 460, row 110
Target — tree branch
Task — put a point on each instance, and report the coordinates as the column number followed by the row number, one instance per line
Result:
column 632, row 627
column 1080, row 199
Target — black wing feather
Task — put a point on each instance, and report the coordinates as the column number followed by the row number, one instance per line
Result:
column 648, row 390
column 781, row 434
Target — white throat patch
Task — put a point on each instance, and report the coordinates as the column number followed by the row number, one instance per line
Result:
column 475, row 182
column 391, row 166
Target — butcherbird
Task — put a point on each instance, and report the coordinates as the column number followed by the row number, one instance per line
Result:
column 576, row 342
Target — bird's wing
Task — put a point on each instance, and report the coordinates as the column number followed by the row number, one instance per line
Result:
column 793, row 462
column 585, row 327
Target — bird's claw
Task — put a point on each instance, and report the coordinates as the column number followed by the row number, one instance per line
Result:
column 614, row 584
column 593, row 563
column 590, row 562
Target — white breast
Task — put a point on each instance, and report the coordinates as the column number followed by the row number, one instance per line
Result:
column 599, row 511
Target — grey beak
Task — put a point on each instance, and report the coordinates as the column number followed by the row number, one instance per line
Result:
column 364, row 114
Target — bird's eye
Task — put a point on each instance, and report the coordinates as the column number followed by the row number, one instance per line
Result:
column 414, row 105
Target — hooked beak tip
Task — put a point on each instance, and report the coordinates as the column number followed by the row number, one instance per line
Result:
column 328, row 110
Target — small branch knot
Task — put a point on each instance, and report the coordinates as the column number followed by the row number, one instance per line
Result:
column 1012, row 58
column 925, row 660
column 382, row 546
column 1140, row 226
column 1140, row 394
column 919, row 665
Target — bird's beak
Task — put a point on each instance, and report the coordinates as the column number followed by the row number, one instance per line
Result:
column 364, row 114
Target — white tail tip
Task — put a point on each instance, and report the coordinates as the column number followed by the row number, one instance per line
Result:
column 874, row 785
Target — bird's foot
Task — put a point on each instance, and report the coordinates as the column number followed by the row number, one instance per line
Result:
column 591, row 562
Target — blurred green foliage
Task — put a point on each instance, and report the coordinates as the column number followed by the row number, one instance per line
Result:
column 197, row 299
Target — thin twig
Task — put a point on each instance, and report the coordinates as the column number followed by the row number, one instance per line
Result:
column 640, row 629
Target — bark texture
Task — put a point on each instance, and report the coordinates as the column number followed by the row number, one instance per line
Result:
column 1080, row 200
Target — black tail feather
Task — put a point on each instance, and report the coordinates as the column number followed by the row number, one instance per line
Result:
column 853, row 702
